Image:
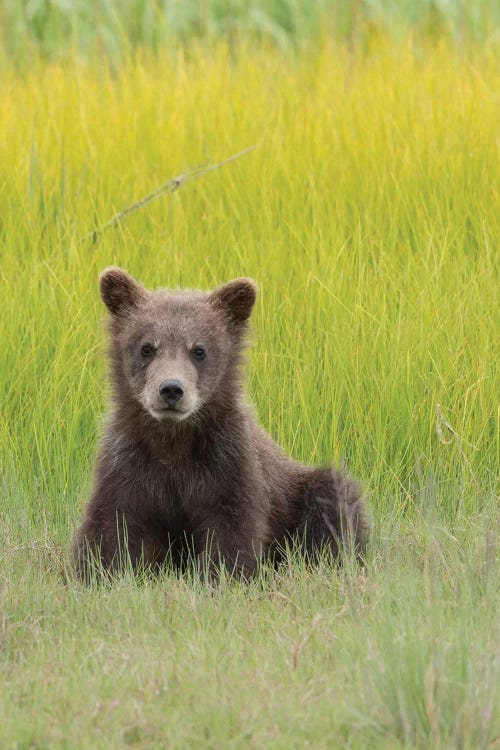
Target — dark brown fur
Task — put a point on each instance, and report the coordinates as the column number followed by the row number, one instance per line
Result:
column 212, row 482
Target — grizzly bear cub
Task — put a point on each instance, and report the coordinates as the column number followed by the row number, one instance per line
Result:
column 184, row 469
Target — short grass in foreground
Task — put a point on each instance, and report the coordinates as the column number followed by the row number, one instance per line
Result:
column 368, row 216
column 399, row 654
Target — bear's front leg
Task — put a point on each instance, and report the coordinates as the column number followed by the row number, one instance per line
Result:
column 225, row 539
column 108, row 541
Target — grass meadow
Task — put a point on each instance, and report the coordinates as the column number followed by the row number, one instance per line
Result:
column 369, row 215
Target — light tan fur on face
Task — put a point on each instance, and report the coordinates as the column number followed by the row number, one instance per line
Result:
column 177, row 367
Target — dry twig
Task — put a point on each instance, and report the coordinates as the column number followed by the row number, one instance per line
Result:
column 168, row 187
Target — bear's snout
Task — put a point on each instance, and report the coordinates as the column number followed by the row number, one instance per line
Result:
column 171, row 391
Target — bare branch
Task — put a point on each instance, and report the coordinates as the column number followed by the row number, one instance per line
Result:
column 168, row 187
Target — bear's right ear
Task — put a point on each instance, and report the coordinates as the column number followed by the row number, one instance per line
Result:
column 119, row 291
column 236, row 299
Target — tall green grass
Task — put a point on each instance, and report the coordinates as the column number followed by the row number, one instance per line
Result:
column 30, row 28
column 369, row 216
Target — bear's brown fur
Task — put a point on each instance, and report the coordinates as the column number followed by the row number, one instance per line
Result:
column 183, row 466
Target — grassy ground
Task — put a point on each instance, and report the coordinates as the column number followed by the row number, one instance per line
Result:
column 367, row 214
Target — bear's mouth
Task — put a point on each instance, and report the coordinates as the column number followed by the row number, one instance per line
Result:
column 172, row 412
column 169, row 413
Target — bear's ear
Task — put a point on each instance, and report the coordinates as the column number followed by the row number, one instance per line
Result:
column 236, row 299
column 119, row 291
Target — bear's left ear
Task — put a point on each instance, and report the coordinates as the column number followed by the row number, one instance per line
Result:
column 119, row 291
column 236, row 299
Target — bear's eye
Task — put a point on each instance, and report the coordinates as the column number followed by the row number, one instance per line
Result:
column 199, row 352
column 148, row 351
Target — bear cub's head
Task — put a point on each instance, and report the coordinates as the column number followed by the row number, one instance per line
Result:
column 175, row 351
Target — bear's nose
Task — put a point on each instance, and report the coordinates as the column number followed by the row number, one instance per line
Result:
column 171, row 391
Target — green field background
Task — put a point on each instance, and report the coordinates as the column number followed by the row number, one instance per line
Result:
column 58, row 29
column 368, row 214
